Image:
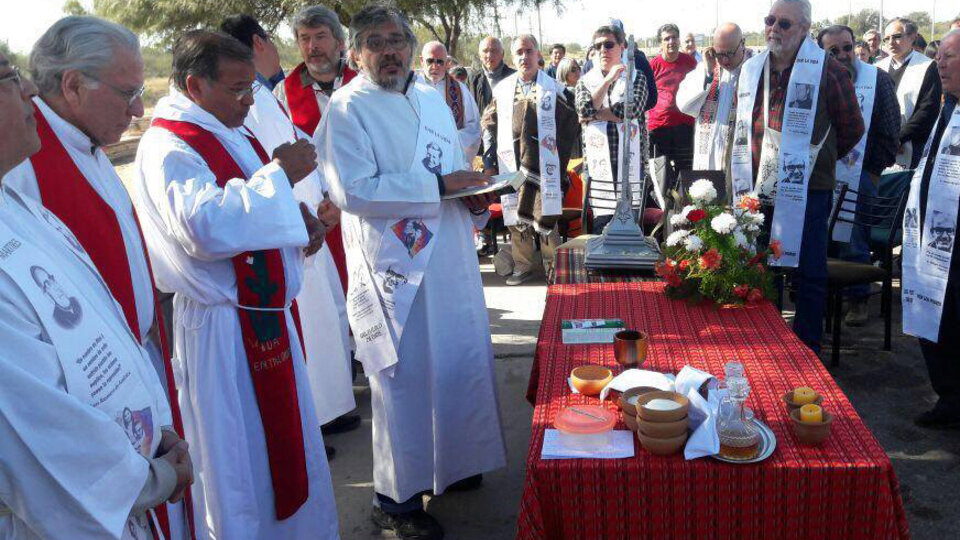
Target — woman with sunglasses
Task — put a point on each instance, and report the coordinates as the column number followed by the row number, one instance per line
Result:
column 918, row 89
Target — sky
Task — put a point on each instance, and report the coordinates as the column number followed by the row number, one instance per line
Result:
column 21, row 25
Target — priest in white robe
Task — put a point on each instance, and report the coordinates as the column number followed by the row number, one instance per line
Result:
column 80, row 459
column 73, row 178
column 226, row 236
column 390, row 149
column 321, row 302
column 433, row 73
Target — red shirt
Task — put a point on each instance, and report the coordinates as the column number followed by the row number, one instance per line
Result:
column 668, row 76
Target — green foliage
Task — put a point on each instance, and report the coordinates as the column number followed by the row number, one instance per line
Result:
column 74, row 7
column 14, row 58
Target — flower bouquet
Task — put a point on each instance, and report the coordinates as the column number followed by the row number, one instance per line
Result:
column 712, row 254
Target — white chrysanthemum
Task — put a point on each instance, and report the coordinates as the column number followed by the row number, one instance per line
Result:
column 693, row 243
column 741, row 239
column 676, row 237
column 723, row 223
column 686, row 210
column 703, row 192
column 757, row 217
column 677, row 220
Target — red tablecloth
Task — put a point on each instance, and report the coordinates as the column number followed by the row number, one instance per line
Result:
column 845, row 488
column 569, row 269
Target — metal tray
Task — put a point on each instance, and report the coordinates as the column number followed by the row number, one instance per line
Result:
column 768, row 443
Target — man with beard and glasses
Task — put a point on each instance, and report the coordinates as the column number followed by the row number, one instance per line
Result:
column 707, row 93
column 426, row 353
column 671, row 131
column 321, row 302
column 796, row 213
column 305, row 94
column 531, row 126
column 434, row 73
column 918, row 89
column 876, row 151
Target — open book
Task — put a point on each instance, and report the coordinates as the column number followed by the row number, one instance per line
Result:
column 502, row 184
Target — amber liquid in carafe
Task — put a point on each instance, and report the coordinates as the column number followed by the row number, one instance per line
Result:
column 739, row 452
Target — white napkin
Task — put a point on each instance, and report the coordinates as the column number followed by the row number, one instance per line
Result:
column 691, row 378
column 633, row 378
column 704, row 439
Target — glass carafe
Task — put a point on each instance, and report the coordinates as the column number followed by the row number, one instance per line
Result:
column 739, row 438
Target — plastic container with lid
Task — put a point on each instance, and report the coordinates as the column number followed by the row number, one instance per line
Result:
column 585, row 427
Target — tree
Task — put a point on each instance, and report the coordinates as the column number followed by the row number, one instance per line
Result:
column 74, row 7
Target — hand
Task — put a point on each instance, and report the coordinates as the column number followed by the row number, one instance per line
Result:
column 614, row 74
column 168, row 439
column 478, row 203
column 328, row 213
column 297, row 160
column 315, row 229
column 606, row 115
column 458, row 180
column 710, row 57
column 490, row 172
column 178, row 457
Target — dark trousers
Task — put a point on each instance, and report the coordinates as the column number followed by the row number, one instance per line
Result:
column 943, row 357
column 675, row 142
column 810, row 276
column 393, row 507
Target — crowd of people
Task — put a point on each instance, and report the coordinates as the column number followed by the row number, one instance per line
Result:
column 302, row 218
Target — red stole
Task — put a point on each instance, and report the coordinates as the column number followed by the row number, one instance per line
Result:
column 454, row 97
column 266, row 341
column 305, row 113
column 66, row 193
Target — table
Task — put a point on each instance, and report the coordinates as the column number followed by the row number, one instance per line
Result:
column 845, row 488
column 569, row 267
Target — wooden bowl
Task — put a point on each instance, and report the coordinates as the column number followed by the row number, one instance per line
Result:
column 589, row 380
column 623, row 401
column 629, row 420
column 791, row 406
column 811, row 434
column 630, row 347
column 664, row 430
column 655, row 415
column 662, row 447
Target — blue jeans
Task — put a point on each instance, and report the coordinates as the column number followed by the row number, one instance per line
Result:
column 810, row 276
column 858, row 249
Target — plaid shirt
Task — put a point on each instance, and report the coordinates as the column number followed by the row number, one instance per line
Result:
column 842, row 106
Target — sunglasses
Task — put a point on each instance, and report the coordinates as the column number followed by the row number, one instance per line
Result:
column 379, row 43
column 893, row 37
column 604, row 45
column 784, row 24
column 836, row 50
column 435, row 61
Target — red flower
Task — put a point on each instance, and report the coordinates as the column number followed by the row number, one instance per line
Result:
column 684, row 264
column 674, row 280
column 755, row 296
column 696, row 215
column 761, row 268
column 711, row 259
column 749, row 203
column 776, row 247
column 742, row 291
column 757, row 258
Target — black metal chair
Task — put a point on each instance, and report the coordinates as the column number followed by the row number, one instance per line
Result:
column 876, row 213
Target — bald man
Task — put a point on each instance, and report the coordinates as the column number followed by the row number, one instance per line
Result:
column 494, row 70
column 706, row 94
column 433, row 72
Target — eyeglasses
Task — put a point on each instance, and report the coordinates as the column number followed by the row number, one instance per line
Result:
column 784, row 24
column 129, row 95
column 241, row 94
column 436, row 61
column 604, row 45
column 728, row 55
column 892, row 37
column 836, row 50
column 14, row 76
column 379, row 43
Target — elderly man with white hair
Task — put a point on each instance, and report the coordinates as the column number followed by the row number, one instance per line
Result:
column 428, row 355
column 84, row 445
column 90, row 75
column 706, row 94
column 433, row 73
column 776, row 133
column 931, row 275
